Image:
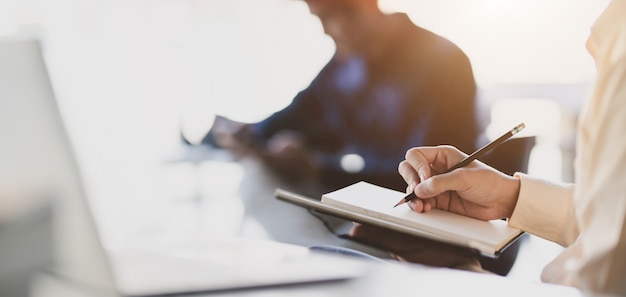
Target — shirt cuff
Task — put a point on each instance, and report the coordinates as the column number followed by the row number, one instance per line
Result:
column 545, row 209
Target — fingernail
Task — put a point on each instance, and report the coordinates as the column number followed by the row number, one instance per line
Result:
column 410, row 187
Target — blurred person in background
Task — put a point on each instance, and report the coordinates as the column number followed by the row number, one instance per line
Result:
column 390, row 85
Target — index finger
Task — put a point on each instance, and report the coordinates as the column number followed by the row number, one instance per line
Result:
column 424, row 159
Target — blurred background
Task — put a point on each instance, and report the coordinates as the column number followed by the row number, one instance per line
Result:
column 131, row 76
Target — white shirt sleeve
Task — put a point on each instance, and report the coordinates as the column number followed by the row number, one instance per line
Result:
column 590, row 219
column 545, row 209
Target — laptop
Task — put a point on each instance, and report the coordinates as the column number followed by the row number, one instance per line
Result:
column 36, row 152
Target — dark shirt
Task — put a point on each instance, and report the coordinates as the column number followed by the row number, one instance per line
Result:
column 419, row 90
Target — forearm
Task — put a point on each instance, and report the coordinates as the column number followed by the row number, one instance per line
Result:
column 545, row 209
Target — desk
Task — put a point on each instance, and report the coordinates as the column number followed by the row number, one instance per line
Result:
column 238, row 195
column 237, row 198
column 398, row 280
column 248, row 208
column 381, row 280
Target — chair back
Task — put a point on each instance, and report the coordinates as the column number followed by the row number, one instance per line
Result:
column 511, row 156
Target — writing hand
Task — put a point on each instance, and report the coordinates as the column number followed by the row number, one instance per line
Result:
column 477, row 190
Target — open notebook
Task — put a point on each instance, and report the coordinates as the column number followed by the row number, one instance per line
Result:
column 371, row 204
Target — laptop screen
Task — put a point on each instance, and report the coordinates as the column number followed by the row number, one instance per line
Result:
column 35, row 154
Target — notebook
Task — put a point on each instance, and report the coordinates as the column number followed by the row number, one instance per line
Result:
column 35, row 151
column 368, row 203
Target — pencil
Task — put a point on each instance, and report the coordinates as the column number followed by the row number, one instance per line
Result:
column 475, row 155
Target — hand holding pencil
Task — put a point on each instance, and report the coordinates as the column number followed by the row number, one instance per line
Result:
column 483, row 193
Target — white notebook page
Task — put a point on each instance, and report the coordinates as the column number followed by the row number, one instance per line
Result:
column 378, row 202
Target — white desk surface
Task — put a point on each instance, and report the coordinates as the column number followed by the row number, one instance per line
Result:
column 385, row 280
column 229, row 196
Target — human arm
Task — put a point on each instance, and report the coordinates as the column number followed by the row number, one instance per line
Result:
column 289, row 140
column 539, row 207
column 483, row 174
column 545, row 209
column 596, row 261
column 476, row 190
column 284, row 152
column 231, row 135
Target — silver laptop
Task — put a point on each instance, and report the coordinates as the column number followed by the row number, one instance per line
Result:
column 35, row 151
